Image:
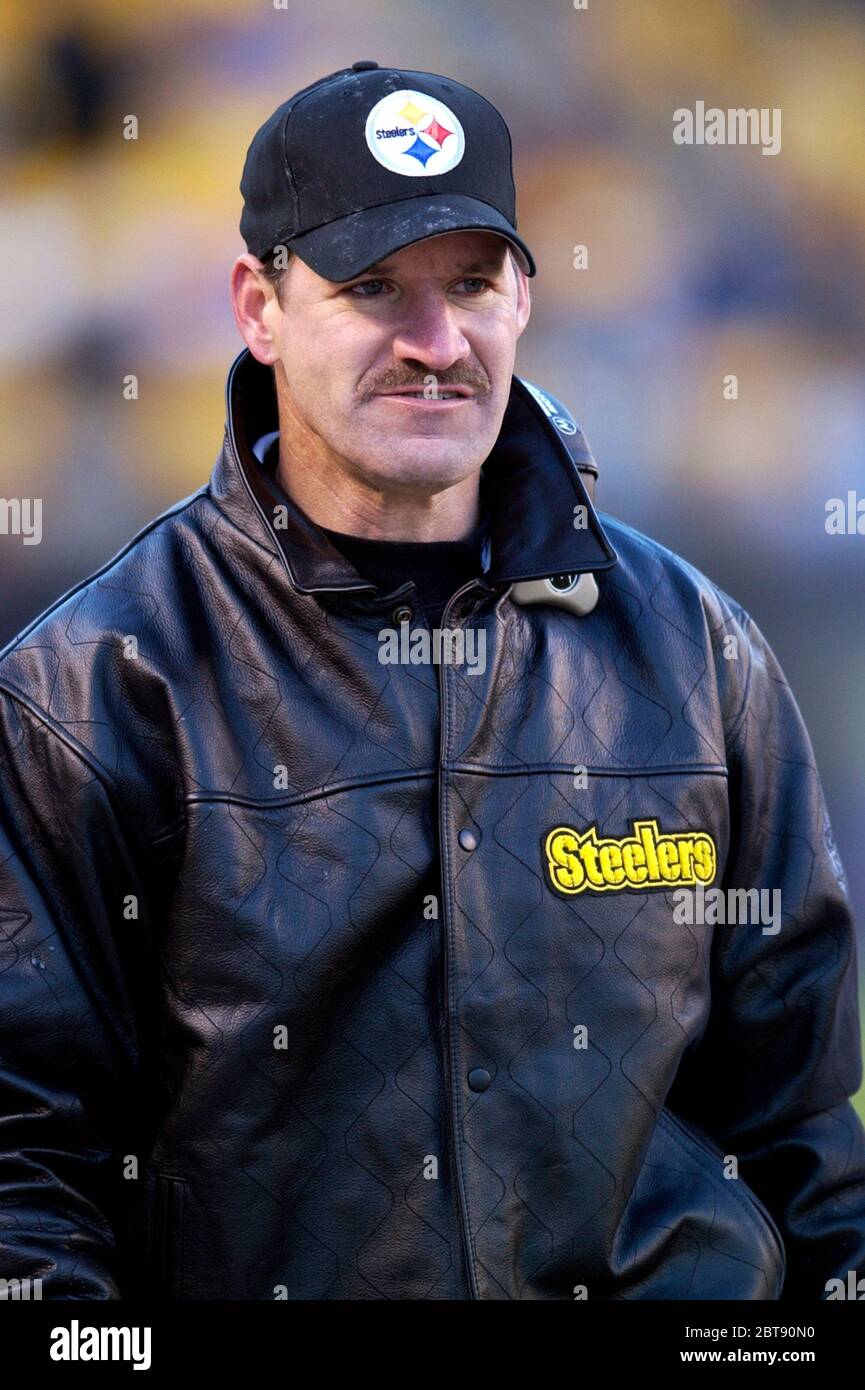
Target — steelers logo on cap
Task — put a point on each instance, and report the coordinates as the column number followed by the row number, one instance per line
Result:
column 411, row 133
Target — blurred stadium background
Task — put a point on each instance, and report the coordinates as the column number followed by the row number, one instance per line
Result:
column 703, row 261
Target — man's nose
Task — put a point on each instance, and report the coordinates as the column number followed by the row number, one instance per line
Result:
column 431, row 334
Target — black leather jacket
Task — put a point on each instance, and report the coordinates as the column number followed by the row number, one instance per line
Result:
column 325, row 978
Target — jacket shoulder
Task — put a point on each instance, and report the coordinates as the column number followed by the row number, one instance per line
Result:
column 645, row 561
column 94, row 667
column 83, row 610
column 670, row 606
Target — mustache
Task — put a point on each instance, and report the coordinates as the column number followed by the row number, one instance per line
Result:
column 398, row 381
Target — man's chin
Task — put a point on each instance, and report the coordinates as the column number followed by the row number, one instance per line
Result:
column 424, row 469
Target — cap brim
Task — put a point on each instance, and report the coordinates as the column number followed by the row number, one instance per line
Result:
column 345, row 248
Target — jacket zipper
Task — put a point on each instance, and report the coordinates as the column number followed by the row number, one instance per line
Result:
column 452, row 1074
column 454, row 1109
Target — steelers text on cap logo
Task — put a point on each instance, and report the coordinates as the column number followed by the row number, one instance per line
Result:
column 414, row 134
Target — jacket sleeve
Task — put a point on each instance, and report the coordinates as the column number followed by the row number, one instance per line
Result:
column 781, row 1055
column 68, row 938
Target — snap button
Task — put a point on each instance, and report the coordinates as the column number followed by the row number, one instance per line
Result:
column 479, row 1078
column 468, row 839
column 402, row 614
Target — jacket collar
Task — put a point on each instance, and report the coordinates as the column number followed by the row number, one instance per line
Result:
column 532, row 483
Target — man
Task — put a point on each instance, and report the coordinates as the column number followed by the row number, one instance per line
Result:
column 336, row 964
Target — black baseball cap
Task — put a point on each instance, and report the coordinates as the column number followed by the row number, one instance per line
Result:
column 368, row 160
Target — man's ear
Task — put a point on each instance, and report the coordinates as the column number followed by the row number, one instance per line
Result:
column 255, row 306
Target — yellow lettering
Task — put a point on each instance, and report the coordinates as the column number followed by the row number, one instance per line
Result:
column 668, row 858
column 589, row 856
column 704, row 858
column 611, row 863
column 649, row 857
column 566, row 870
column 634, row 858
column 646, row 831
column 686, row 854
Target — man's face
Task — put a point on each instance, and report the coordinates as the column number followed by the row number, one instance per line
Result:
column 353, row 360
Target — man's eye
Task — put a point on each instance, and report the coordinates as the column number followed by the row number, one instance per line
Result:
column 365, row 285
column 360, row 290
